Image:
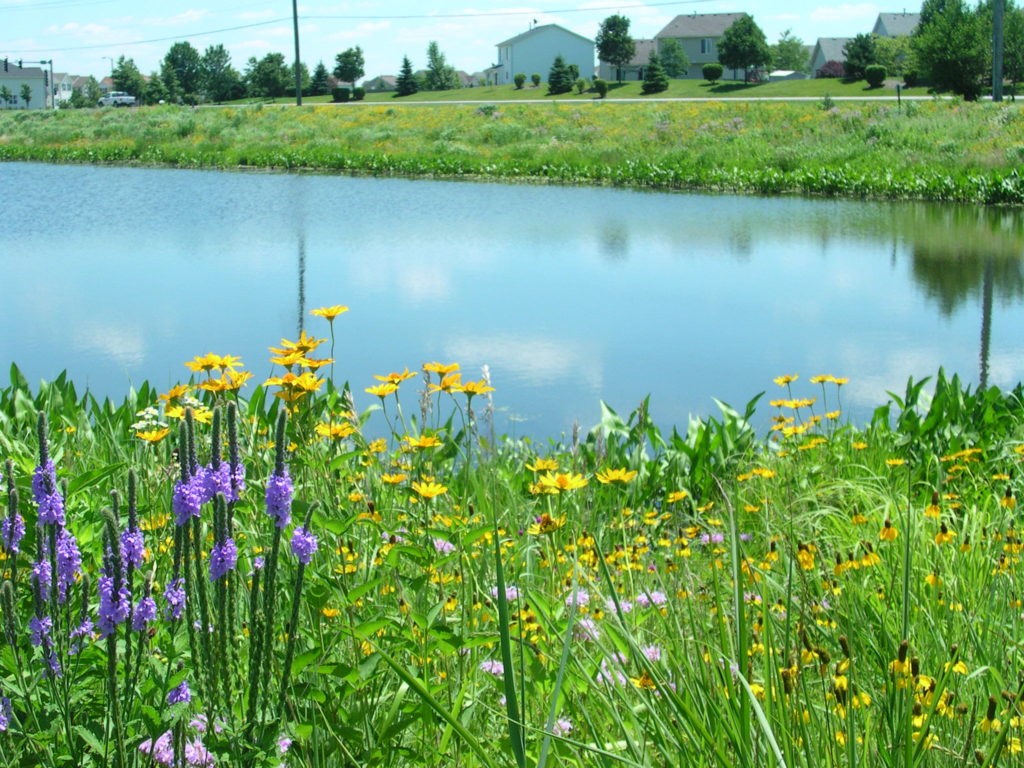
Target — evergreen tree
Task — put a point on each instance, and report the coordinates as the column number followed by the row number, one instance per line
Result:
column 673, row 57
column 655, row 79
column 614, row 45
column 319, row 84
column 743, row 46
column 559, row 78
column 405, row 83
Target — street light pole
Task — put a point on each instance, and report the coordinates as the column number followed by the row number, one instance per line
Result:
column 298, row 61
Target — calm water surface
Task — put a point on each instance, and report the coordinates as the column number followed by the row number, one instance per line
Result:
column 570, row 295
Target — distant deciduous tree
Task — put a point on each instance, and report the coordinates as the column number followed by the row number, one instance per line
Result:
column 860, row 54
column 128, row 78
column 26, row 94
column 219, row 81
column 268, row 77
column 790, row 54
column 743, row 46
column 349, row 65
column 673, row 57
column 184, row 62
column 614, row 45
column 951, row 47
column 440, row 76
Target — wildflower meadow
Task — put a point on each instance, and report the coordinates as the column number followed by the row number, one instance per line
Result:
column 334, row 568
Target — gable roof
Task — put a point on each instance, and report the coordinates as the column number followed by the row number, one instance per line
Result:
column 23, row 73
column 642, row 52
column 896, row 24
column 832, row 47
column 700, row 25
column 535, row 30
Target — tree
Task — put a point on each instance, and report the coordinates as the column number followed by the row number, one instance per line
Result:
column 269, row 77
column 673, row 57
column 559, row 78
column 156, row 90
column 127, row 78
column 951, row 47
column 6, row 97
column 320, row 84
column 26, row 94
column 184, row 61
column 712, row 71
column 860, row 54
column 743, row 46
column 790, row 54
column 894, row 54
column 519, row 80
column 349, row 65
column 1013, row 45
column 168, row 88
column 655, row 79
column 614, row 45
column 440, row 76
column 219, row 81
column 405, row 83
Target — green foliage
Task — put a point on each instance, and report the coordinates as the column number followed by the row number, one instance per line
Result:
column 559, row 78
column 789, row 53
column 519, row 80
column 127, row 78
column 219, row 80
column 319, row 83
column 349, row 65
column 440, row 75
column 743, row 46
column 26, row 94
column 614, row 44
column 673, row 57
column 405, row 83
column 860, row 54
column 340, row 94
column 268, row 77
column 712, row 71
column 951, row 47
column 182, row 72
column 600, row 87
column 895, row 54
column 581, row 85
column 875, row 75
column 655, row 79
column 535, row 79
column 358, row 93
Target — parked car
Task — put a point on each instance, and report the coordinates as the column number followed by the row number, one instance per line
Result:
column 117, row 99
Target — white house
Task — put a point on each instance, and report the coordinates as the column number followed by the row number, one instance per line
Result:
column 699, row 34
column 534, row 51
column 62, row 87
column 896, row 24
column 828, row 49
column 14, row 80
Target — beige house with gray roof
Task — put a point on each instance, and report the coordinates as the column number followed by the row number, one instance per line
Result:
column 634, row 70
column 699, row 34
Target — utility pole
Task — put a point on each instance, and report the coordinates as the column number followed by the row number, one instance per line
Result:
column 998, row 7
column 298, row 61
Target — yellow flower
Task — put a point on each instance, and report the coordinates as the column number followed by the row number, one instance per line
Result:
column 441, row 369
column 805, row 556
column 859, row 445
column 1008, row 502
column 676, row 496
column 452, row 382
column 337, row 431
column 153, row 435
column 895, row 462
column 175, row 393
column 305, row 343
column 888, row 533
column 561, row 481
column 789, row 378
column 211, row 361
column 543, row 465
column 644, row 682
column 330, row 612
column 329, row 313
column 429, row 490
column 480, row 387
column 545, row 524
column 422, row 441
column 382, row 390
column 395, row 378
column 616, row 476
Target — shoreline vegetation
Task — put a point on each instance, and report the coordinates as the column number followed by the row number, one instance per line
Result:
column 822, row 595
column 933, row 150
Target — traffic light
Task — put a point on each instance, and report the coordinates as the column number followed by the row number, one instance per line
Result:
column 46, row 79
column 19, row 63
column 5, row 64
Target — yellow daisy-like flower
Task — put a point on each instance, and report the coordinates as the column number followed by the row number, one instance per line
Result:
column 382, row 390
column 676, row 496
column 153, row 435
column 329, row 313
column 422, row 441
column 480, row 387
column 888, row 533
column 338, row 431
column 545, row 524
column 1008, row 502
column 304, row 344
column 393, row 478
column 200, row 415
column 429, row 490
column 543, row 465
column 175, row 393
column 644, row 682
column 562, row 481
column 213, row 362
column 395, row 378
column 620, row 475
column 451, row 382
column 788, row 378
column 895, row 462
column 329, row 612
column 859, row 445
column 441, row 369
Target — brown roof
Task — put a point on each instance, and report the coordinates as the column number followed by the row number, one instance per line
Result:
column 700, row 25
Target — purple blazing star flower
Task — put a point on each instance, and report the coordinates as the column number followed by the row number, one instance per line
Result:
column 41, row 574
column 174, row 594
column 40, row 628
column 113, row 608
column 304, row 545
column 188, row 498
column 12, row 529
column 5, row 713
column 69, row 563
column 145, row 612
column 46, row 495
column 223, row 558
column 218, row 481
column 161, row 749
column 237, row 481
column 180, row 695
column 78, row 634
column 279, row 499
column 133, row 548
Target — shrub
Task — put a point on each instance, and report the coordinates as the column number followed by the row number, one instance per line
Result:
column 910, row 78
column 535, row 79
column 358, row 93
column 601, row 86
column 875, row 75
column 519, row 80
column 832, row 68
column 340, row 94
column 581, row 84
column 827, row 103
column 712, row 71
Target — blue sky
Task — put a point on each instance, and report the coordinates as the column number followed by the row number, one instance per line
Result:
column 82, row 36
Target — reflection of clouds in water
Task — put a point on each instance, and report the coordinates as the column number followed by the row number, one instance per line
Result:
column 889, row 373
column 1006, row 369
column 537, row 361
column 423, row 283
column 123, row 344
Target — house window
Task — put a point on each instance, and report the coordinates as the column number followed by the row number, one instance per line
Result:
column 707, row 45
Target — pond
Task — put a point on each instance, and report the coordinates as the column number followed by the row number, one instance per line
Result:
column 570, row 295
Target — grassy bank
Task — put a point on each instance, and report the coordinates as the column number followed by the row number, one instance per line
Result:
column 931, row 150
column 819, row 596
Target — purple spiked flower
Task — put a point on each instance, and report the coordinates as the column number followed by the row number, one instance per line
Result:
column 133, row 548
column 174, row 594
column 304, row 545
column 223, row 558
column 113, row 608
column 180, row 695
column 12, row 529
column 40, row 628
column 145, row 612
column 188, row 498
column 279, row 498
column 46, row 495
column 69, row 562
column 161, row 749
column 218, row 481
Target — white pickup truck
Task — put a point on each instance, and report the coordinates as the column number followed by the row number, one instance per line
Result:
column 117, row 99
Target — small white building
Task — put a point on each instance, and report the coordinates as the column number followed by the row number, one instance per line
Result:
column 14, row 80
column 534, row 51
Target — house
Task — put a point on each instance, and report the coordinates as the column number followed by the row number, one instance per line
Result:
column 699, row 34
column 380, row 84
column 13, row 81
column 63, row 86
column 534, row 51
column 828, row 49
column 896, row 24
column 634, row 70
